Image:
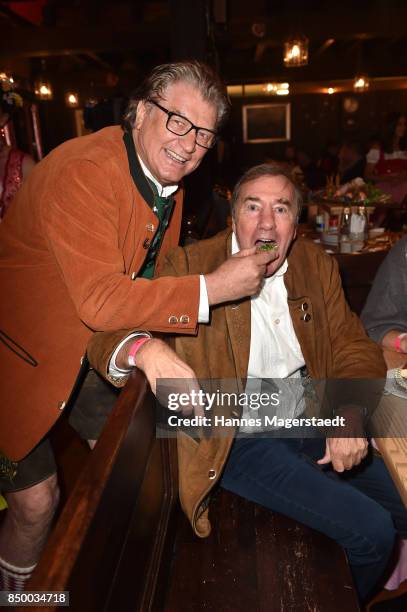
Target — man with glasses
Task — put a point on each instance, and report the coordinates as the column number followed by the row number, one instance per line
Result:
column 79, row 249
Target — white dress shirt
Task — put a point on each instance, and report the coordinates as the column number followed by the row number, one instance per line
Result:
column 274, row 349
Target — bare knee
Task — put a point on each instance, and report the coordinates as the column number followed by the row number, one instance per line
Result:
column 35, row 505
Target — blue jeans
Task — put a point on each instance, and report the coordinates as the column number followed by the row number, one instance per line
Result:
column 361, row 509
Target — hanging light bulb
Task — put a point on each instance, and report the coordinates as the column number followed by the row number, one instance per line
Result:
column 361, row 83
column 43, row 90
column 296, row 52
column 72, row 99
column 42, row 86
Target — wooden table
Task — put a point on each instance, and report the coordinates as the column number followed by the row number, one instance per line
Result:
column 390, row 419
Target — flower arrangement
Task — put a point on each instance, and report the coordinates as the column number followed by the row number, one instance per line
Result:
column 356, row 191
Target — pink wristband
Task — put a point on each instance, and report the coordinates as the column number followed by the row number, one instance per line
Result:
column 134, row 348
column 397, row 342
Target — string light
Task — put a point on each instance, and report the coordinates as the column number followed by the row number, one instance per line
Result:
column 42, row 86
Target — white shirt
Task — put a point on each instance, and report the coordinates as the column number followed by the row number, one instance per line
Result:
column 274, row 349
column 163, row 192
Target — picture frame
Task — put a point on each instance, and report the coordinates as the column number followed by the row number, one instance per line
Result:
column 266, row 122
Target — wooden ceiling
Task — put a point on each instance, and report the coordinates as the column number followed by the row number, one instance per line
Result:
column 85, row 40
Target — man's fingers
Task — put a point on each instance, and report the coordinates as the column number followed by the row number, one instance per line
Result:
column 245, row 252
column 338, row 465
column 325, row 459
column 264, row 257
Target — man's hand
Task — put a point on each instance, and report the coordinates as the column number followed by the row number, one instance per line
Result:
column 158, row 361
column 239, row 276
column 344, row 453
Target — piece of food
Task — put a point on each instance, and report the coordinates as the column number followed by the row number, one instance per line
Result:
column 267, row 246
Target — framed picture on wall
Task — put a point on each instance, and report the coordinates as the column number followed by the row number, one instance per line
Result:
column 266, row 122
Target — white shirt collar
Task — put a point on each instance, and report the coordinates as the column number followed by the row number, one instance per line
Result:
column 163, row 192
column 280, row 272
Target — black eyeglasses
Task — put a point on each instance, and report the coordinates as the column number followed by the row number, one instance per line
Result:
column 181, row 126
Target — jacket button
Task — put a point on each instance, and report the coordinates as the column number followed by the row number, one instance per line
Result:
column 306, row 317
column 133, row 276
column 173, row 320
column 150, row 227
column 61, row 405
column 212, row 474
column 184, row 319
column 304, row 306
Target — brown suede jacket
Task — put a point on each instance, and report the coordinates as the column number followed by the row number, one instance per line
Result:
column 332, row 339
column 71, row 246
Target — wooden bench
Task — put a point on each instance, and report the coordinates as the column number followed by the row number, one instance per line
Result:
column 122, row 543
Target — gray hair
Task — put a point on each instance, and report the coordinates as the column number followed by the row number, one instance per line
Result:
column 199, row 75
column 261, row 171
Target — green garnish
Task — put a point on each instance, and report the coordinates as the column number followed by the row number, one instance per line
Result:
column 267, row 246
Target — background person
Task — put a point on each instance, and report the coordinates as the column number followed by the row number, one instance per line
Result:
column 385, row 313
column 351, row 161
column 15, row 165
column 387, row 164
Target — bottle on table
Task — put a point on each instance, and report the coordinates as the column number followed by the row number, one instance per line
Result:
column 344, row 232
column 319, row 223
column 363, row 213
column 358, row 228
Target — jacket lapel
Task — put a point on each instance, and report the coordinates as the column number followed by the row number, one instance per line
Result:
column 301, row 311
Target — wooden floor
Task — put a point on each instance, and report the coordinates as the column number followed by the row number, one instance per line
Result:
column 258, row 561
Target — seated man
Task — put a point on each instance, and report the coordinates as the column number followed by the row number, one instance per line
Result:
column 385, row 312
column 298, row 320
